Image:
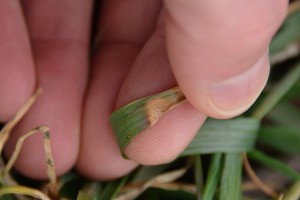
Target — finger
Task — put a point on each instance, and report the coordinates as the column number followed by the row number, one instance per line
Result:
column 17, row 77
column 60, row 35
column 124, row 27
column 219, row 51
column 150, row 74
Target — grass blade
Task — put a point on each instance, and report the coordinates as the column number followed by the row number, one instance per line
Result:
column 83, row 196
column 288, row 33
column 145, row 173
column 166, row 177
column 281, row 88
column 93, row 189
column 68, row 178
column 24, row 191
column 198, row 176
column 143, row 113
column 274, row 164
column 112, row 188
column 293, row 192
column 234, row 135
column 283, row 138
column 213, row 177
column 231, row 177
column 48, row 155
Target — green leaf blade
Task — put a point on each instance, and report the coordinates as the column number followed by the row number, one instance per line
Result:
column 112, row 188
column 288, row 33
column 83, row 196
column 282, row 138
column 274, row 164
column 231, row 177
column 213, row 177
column 137, row 116
column 277, row 92
column 234, row 135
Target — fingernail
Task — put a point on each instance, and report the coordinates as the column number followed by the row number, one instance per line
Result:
column 233, row 96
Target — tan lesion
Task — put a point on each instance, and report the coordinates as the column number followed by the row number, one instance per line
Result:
column 157, row 107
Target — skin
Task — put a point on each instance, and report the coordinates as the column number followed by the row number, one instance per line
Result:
column 216, row 52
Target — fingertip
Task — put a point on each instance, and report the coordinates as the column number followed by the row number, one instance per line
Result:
column 232, row 96
column 220, row 61
column 109, row 169
column 99, row 157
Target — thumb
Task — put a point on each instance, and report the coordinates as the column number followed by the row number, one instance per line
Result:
column 218, row 50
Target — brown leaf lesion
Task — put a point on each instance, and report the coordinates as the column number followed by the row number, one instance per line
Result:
column 157, row 107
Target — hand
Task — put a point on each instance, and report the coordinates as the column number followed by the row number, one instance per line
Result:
column 216, row 51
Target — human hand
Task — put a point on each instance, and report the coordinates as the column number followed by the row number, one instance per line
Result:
column 216, row 51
